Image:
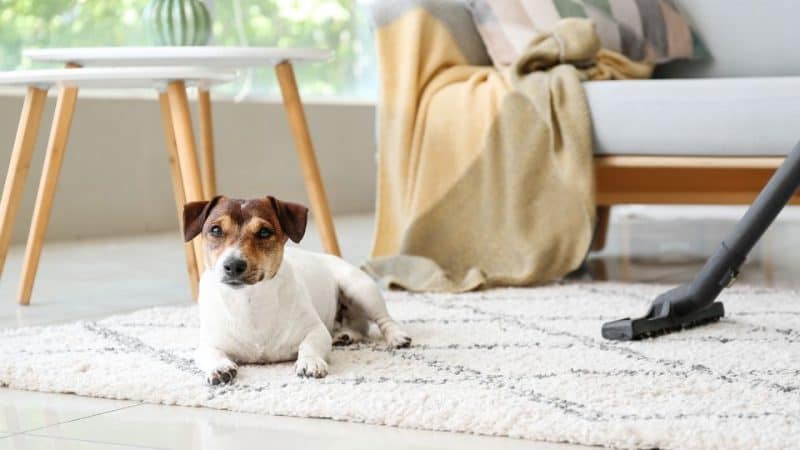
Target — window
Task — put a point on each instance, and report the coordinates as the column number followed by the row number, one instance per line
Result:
column 339, row 25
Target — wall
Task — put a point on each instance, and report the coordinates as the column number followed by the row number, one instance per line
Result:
column 115, row 177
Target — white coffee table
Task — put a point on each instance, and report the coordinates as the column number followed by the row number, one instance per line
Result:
column 174, row 109
column 198, row 186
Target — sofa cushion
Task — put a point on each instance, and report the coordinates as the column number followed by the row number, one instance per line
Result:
column 643, row 30
column 701, row 117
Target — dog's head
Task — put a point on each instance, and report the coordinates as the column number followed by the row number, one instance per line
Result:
column 244, row 239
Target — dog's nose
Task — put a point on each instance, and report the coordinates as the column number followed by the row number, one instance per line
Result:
column 234, row 267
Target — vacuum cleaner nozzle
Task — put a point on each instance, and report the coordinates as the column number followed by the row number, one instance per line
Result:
column 670, row 312
column 693, row 304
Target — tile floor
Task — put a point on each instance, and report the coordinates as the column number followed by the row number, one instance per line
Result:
column 93, row 279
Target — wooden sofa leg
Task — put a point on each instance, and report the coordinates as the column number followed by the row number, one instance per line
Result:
column 603, row 216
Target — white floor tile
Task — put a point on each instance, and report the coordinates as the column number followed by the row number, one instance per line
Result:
column 175, row 427
column 12, row 316
column 24, row 411
column 354, row 233
column 29, row 442
column 76, row 278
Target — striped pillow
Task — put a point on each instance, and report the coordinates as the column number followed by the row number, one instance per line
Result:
column 643, row 30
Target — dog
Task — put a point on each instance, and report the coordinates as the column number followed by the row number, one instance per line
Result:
column 262, row 301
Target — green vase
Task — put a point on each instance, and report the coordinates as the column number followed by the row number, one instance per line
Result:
column 177, row 22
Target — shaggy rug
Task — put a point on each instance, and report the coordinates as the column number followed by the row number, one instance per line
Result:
column 525, row 363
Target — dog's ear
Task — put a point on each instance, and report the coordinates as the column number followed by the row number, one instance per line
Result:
column 195, row 215
column 292, row 216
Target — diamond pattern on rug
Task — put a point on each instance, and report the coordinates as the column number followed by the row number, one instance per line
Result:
column 524, row 363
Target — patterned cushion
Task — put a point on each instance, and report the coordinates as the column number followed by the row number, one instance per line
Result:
column 643, row 30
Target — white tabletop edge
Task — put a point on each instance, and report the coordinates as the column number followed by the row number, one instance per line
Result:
column 116, row 76
column 214, row 56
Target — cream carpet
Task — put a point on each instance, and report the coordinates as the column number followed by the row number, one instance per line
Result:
column 525, row 363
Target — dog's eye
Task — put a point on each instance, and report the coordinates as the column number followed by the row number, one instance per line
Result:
column 264, row 233
column 215, row 231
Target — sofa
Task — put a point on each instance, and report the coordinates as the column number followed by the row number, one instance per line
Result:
column 700, row 132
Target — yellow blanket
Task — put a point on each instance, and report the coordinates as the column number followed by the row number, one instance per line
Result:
column 485, row 178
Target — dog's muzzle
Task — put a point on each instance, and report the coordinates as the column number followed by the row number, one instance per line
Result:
column 235, row 270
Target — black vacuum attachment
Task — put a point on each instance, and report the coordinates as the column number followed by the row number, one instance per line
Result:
column 693, row 304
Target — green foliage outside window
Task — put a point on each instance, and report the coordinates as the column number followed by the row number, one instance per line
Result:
column 339, row 25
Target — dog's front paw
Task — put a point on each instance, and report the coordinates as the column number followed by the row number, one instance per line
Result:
column 311, row 366
column 398, row 338
column 222, row 374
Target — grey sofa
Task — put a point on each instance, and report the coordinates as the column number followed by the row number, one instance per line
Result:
column 700, row 132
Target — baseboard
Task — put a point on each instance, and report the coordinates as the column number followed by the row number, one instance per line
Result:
column 115, row 177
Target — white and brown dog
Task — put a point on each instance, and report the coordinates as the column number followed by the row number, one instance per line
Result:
column 261, row 301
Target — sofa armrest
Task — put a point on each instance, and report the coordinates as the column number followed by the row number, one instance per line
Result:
column 454, row 14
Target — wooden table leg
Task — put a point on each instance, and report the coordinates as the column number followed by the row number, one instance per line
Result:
column 24, row 144
column 59, row 134
column 208, row 167
column 601, row 232
column 187, row 153
column 308, row 160
column 177, row 188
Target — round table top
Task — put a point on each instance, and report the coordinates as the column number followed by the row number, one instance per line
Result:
column 116, row 77
column 223, row 57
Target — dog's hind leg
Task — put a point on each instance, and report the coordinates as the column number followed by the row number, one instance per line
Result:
column 363, row 298
column 353, row 328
